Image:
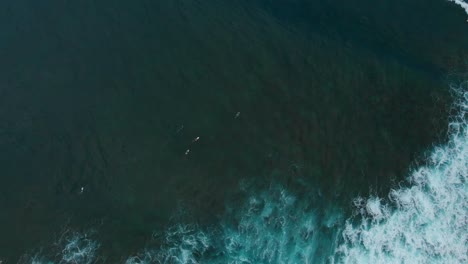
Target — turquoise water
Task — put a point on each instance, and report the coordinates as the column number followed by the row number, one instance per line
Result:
column 233, row 131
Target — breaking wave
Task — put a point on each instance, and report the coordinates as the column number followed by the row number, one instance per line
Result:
column 423, row 221
column 426, row 222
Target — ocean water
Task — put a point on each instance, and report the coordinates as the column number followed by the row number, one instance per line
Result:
column 183, row 131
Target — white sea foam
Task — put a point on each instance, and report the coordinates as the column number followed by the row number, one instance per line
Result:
column 72, row 248
column 278, row 227
column 184, row 244
column 429, row 219
column 274, row 226
column 79, row 249
column 462, row 4
column 424, row 222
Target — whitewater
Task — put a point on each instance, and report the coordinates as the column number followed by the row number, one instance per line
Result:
column 424, row 220
column 462, row 4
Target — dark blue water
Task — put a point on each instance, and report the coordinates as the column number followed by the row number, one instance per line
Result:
column 224, row 131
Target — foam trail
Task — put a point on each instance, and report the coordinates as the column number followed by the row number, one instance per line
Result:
column 273, row 226
column 72, row 248
column 424, row 223
column 279, row 227
column 462, row 4
column 79, row 249
column 184, row 244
